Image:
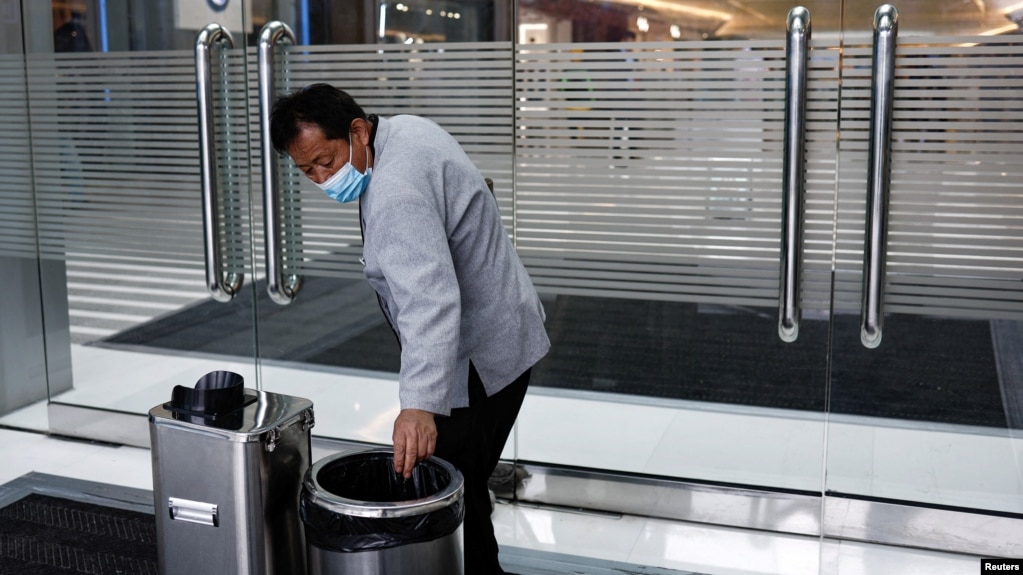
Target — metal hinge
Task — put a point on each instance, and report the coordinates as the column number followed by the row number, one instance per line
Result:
column 272, row 437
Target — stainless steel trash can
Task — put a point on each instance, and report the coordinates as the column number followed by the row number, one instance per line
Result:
column 362, row 518
column 228, row 464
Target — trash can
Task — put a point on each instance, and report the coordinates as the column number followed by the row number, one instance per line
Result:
column 228, row 464
column 361, row 517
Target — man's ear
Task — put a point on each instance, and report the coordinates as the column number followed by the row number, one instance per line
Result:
column 360, row 130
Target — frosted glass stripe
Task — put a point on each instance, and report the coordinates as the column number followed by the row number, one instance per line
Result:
column 956, row 211
column 676, row 159
column 17, row 213
column 117, row 180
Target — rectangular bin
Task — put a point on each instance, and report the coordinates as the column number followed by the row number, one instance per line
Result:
column 226, row 488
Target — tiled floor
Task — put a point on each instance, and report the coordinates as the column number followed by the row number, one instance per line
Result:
column 621, row 540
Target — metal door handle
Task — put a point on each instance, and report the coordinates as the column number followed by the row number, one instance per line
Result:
column 886, row 28
column 793, row 182
column 221, row 288
column 282, row 290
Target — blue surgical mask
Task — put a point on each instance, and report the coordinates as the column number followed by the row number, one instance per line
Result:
column 347, row 184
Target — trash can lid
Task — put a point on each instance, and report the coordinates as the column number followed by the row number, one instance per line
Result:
column 320, row 495
column 217, row 393
column 264, row 411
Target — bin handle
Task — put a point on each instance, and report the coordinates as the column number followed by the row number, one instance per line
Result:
column 193, row 511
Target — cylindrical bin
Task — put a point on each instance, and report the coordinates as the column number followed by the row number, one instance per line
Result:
column 363, row 518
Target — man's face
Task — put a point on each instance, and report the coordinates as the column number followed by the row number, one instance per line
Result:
column 318, row 157
column 61, row 16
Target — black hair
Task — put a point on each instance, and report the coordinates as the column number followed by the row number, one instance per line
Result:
column 323, row 105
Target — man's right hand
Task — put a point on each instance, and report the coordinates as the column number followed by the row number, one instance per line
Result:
column 415, row 439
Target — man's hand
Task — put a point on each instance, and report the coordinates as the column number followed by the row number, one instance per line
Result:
column 415, row 438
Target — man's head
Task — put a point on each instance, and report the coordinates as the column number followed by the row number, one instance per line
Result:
column 321, row 105
column 322, row 129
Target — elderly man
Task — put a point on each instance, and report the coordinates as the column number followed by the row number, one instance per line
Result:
column 468, row 319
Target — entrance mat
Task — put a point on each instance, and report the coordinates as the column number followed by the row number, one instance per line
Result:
column 51, row 525
column 46, row 535
column 927, row 369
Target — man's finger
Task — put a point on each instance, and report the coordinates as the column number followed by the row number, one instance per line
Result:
column 425, row 450
column 399, row 453
column 411, row 457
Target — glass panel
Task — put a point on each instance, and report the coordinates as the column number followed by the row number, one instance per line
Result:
column 116, row 171
column 649, row 165
column 645, row 197
column 929, row 416
column 23, row 361
column 17, row 217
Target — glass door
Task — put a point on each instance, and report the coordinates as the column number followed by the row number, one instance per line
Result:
column 112, row 110
column 925, row 387
column 653, row 186
column 638, row 158
column 668, row 257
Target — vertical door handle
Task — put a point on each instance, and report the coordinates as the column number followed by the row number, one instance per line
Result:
column 222, row 287
column 793, row 183
column 282, row 290
column 886, row 20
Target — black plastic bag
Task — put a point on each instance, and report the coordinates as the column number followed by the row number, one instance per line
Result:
column 370, row 477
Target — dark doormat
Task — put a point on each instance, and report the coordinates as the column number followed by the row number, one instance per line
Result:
column 928, row 369
column 44, row 535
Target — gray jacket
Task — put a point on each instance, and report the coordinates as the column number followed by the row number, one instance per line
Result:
column 448, row 277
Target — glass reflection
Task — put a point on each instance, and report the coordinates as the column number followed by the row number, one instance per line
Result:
column 84, row 25
column 69, row 28
column 558, row 21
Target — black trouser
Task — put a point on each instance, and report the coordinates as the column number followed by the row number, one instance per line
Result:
column 472, row 439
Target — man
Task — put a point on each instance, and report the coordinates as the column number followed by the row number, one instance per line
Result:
column 68, row 31
column 468, row 319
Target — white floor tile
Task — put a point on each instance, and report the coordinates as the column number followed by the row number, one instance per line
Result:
column 592, row 434
column 589, row 535
column 782, row 450
column 724, row 551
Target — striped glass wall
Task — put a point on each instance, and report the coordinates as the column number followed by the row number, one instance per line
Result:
column 955, row 237
column 654, row 170
column 648, row 171
column 116, row 166
column 17, row 214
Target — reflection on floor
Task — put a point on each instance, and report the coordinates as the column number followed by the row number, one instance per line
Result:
column 635, row 544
